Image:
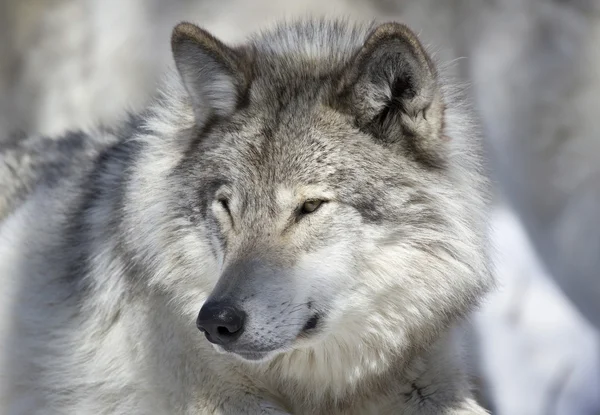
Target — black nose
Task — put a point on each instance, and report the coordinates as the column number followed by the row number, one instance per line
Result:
column 221, row 321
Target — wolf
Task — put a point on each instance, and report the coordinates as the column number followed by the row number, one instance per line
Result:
column 295, row 225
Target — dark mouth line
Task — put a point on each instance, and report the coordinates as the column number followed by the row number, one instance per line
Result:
column 311, row 324
column 253, row 351
column 237, row 351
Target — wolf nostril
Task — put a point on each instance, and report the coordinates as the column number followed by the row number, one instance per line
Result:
column 221, row 321
column 224, row 331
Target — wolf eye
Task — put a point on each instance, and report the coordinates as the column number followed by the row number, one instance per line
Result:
column 310, row 206
column 225, row 205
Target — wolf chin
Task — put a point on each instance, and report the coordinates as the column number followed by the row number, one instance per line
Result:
column 294, row 226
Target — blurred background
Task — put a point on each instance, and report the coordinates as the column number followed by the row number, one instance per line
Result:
column 533, row 71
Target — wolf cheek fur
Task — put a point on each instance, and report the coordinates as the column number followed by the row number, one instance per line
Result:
column 294, row 197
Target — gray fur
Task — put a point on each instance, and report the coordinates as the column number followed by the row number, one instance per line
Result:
column 202, row 200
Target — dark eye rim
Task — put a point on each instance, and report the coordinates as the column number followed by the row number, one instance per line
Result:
column 224, row 202
column 302, row 211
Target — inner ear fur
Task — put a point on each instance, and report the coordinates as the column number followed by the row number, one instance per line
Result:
column 391, row 89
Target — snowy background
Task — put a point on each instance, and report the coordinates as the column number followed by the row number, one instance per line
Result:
column 67, row 64
column 538, row 355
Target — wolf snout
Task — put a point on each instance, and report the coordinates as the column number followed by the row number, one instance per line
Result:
column 221, row 321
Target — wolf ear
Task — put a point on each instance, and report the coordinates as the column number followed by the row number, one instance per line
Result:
column 391, row 89
column 211, row 71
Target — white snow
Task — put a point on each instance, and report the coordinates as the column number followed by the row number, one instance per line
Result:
column 539, row 356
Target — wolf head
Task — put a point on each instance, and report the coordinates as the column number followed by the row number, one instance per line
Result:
column 325, row 193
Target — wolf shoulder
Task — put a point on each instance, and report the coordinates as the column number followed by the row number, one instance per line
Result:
column 31, row 162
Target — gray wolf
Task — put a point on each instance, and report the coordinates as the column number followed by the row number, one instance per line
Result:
column 295, row 225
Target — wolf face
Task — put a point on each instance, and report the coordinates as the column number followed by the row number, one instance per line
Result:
column 320, row 177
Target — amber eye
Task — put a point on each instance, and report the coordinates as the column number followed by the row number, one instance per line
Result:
column 310, row 206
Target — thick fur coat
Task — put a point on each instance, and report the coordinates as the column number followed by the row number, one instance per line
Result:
column 321, row 183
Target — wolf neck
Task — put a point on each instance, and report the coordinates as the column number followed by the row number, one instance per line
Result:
column 319, row 379
column 314, row 382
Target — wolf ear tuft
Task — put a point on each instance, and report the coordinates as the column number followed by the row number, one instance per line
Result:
column 211, row 71
column 391, row 89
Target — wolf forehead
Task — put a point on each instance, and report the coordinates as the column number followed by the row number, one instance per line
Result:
column 318, row 155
